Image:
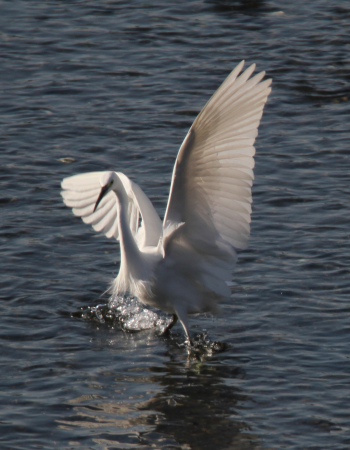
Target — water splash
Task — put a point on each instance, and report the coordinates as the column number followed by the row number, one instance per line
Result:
column 135, row 317
column 203, row 346
column 131, row 315
column 128, row 313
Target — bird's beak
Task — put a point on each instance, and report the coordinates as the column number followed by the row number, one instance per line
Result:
column 103, row 192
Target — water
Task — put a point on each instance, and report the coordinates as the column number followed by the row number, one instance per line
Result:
column 115, row 85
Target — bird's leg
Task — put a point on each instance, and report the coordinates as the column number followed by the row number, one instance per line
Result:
column 188, row 341
column 171, row 324
column 174, row 319
column 184, row 322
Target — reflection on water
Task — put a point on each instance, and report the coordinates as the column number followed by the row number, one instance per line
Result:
column 193, row 408
column 197, row 408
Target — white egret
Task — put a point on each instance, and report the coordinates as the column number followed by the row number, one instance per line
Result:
column 184, row 265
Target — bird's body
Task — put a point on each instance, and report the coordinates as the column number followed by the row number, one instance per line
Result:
column 183, row 265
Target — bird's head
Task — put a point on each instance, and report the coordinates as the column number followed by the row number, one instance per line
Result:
column 106, row 181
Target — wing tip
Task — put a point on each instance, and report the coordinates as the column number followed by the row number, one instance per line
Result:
column 64, row 184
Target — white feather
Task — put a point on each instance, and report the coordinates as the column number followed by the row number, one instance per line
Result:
column 184, row 265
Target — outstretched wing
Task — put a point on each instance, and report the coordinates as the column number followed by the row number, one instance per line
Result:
column 80, row 192
column 210, row 199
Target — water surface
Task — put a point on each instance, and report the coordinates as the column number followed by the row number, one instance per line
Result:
column 103, row 85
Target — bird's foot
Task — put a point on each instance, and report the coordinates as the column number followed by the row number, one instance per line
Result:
column 202, row 345
column 170, row 326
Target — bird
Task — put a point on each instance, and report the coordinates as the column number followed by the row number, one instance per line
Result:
column 183, row 265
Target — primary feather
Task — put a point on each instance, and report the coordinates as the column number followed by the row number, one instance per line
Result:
column 184, row 265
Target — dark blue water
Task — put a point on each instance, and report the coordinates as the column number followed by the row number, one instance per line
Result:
column 88, row 86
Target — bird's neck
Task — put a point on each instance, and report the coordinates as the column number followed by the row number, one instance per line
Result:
column 132, row 263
